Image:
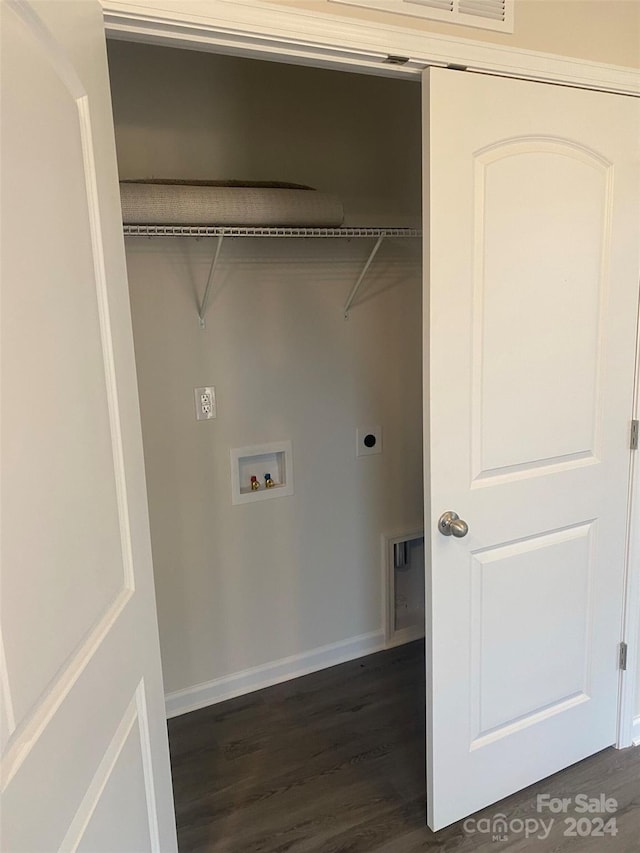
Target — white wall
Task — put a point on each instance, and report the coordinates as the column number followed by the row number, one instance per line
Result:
column 241, row 586
column 596, row 30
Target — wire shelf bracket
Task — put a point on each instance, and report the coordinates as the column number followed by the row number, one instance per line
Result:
column 360, row 279
column 202, row 308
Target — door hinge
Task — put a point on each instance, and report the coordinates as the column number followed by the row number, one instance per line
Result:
column 635, row 429
column 622, row 656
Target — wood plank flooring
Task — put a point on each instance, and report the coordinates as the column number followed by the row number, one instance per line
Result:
column 334, row 763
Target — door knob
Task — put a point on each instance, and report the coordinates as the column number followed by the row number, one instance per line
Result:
column 450, row 524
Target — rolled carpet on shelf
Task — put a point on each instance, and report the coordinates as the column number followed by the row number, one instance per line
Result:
column 227, row 203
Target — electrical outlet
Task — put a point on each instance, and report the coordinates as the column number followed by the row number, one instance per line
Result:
column 205, row 403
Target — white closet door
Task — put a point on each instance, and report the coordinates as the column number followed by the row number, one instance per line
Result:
column 85, row 764
column 533, row 223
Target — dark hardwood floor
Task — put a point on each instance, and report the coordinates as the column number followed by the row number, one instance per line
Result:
column 334, row 763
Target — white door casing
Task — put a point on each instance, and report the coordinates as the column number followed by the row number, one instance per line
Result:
column 532, row 226
column 85, row 763
column 327, row 39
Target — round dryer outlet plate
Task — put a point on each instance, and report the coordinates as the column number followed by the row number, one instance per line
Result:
column 368, row 440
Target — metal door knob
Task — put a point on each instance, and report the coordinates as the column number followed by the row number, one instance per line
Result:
column 450, row 524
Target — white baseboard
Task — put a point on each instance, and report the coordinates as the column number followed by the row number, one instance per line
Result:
column 274, row 672
column 635, row 731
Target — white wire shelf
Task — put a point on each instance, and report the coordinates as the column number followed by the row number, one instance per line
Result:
column 222, row 231
column 262, row 231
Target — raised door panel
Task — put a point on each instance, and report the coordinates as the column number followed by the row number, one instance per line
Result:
column 120, row 786
column 530, row 630
column 540, row 292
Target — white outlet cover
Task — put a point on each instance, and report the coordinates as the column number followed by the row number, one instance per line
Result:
column 370, row 435
column 205, row 399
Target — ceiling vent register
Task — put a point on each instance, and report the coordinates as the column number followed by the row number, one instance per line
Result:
column 487, row 14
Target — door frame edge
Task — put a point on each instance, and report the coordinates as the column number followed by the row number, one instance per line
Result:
column 628, row 715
